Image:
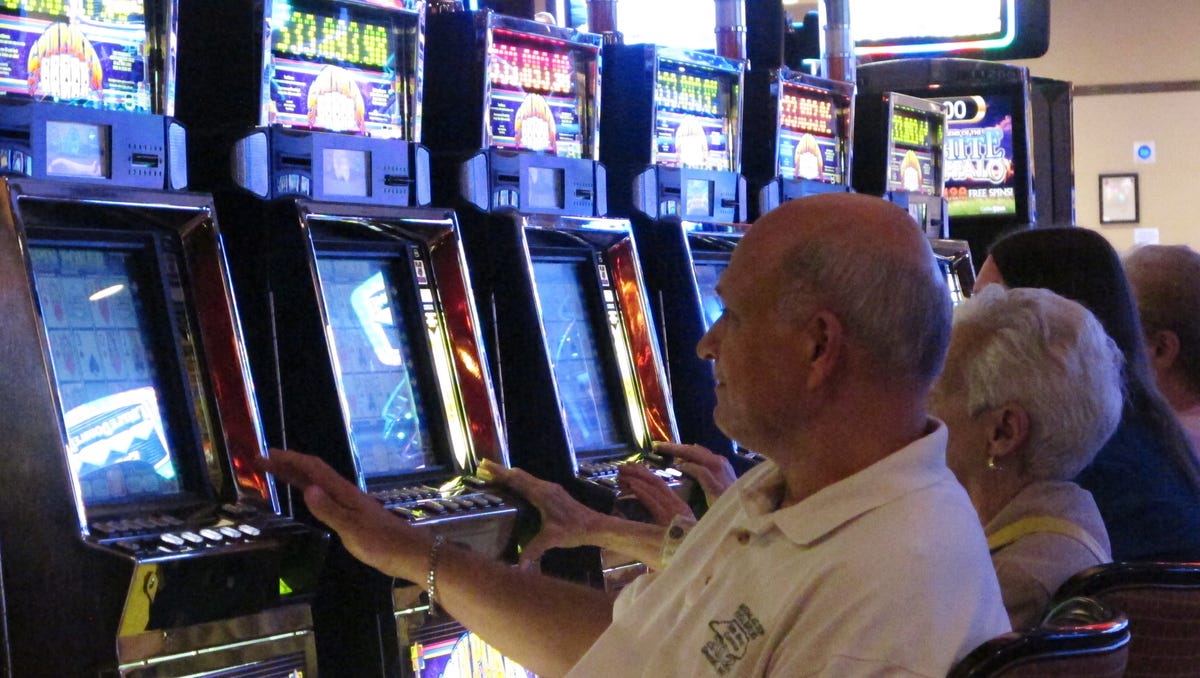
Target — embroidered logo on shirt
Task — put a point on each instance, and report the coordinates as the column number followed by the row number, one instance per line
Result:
column 731, row 638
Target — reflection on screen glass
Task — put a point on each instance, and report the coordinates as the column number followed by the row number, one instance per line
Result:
column 345, row 171
column 371, row 341
column 464, row 656
column 109, row 381
column 707, row 275
column 574, row 353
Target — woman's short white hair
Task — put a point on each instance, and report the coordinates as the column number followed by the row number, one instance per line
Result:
column 1048, row 354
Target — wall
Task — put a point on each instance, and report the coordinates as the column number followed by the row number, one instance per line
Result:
column 1111, row 42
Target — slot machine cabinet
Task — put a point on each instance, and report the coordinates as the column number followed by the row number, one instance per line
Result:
column 365, row 341
column 901, row 157
column 383, row 373
column 797, row 139
column 954, row 260
column 988, row 144
column 513, row 113
column 139, row 538
column 686, row 200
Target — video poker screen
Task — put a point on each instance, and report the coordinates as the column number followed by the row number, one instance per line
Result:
column 694, row 117
column 373, row 343
column 809, row 144
column 707, row 275
column 463, row 656
column 537, row 95
column 110, row 372
column 979, row 171
column 337, row 67
column 913, row 162
column 573, row 336
column 90, row 53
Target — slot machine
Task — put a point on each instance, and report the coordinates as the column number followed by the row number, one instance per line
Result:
column 139, row 538
column 902, row 145
column 512, row 113
column 798, row 139
column 989, row 167
column 367, row 345
column 672, row 148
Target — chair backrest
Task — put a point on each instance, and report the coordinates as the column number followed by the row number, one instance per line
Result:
column 1079, row 637
column 1162, row 601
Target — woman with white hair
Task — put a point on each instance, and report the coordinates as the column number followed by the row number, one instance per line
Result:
column 1030, row 392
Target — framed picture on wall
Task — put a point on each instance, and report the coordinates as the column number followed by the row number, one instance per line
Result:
column 1118, row 198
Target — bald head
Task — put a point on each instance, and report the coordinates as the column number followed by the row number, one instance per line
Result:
column 865, row 260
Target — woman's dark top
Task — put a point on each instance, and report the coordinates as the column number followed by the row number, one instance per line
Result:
column 1149, row 508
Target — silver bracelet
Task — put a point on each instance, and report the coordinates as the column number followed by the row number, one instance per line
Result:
column 431, row 580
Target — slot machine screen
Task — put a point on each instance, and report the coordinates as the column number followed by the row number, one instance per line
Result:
column 694, row 115
column 979, row 171
column 707, row 275
column 372, row 340
column 545, row 187
column 338, row 67
column 110, row 370
column 575, row 353
column 537, row 95
column 809, row 146
column 463, row 656
column 345, row 171
column 91, row 54
column 75, row 149
column 913, row 165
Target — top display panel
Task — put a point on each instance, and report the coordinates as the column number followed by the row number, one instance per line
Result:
column 92, row 53
column 340, row 67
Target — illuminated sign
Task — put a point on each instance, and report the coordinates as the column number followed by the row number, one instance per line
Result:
column 688, row 92
column 909, row 130
column 923, row 26
column 331, row 38
column 531, row 69
column 979, row 155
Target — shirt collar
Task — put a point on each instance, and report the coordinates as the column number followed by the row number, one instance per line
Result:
column 917, row 465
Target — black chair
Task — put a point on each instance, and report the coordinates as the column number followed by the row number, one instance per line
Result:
column 1162, row 601
column 1079, row 637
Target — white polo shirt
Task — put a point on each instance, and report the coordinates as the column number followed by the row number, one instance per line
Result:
column 884, row 573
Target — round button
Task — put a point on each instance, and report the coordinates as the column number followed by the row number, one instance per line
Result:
column 743, row 537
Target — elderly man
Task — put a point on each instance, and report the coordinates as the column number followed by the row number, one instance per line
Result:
column 852, row 551
column 1166, row 283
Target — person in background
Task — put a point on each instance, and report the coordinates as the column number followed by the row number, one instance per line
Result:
column 1166, row 284
column 835, row 325
column 1146, row 478
column 1030, row 391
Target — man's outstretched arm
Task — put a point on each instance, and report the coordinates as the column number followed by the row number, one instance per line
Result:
column 543, row 623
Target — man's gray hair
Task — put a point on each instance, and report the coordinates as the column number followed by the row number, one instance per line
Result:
column 897, row 309
column 1166, row 283
column 1050, row 355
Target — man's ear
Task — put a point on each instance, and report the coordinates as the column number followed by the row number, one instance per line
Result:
column 824, row 340
column 1164, row 349
column 1007, row 431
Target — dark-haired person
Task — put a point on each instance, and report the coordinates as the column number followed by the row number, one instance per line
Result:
column 1146, row 478
column 852, row 551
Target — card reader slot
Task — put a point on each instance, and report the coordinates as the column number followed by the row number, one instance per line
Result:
column 396, row 180
column 146, row 160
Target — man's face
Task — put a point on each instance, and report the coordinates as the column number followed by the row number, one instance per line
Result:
column 760, row 378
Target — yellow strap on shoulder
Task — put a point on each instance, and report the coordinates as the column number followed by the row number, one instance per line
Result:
column 1034, row 524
